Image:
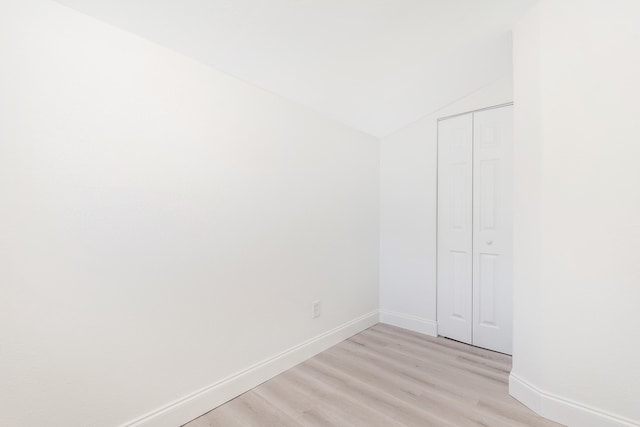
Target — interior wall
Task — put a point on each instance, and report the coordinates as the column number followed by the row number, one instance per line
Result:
column 408, row 184
column 162, row 225
column 577, row 217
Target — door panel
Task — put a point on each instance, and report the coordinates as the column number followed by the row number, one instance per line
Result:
column 487, row 266
column 492, row 229
column 455, row 213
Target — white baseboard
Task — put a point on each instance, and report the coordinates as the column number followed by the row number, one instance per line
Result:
column 407, row 321
column 561, row 410
column 199, row 402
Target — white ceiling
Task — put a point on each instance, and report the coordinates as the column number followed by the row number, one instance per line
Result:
column 376, row 65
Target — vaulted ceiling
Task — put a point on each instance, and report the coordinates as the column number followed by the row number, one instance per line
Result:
column 376, row 65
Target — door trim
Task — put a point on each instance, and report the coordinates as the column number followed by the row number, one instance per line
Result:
column 506, row 104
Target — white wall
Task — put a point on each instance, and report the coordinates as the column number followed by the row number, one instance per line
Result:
column 163, row 226
column 408, row 160
column 577, row 217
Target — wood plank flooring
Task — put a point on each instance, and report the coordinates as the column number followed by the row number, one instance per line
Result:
column 384, row 376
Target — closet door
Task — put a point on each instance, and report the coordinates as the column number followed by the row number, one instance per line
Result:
column 492, row 229
column 455, row 274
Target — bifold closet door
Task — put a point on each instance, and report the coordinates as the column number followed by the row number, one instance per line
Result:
column 492, row 229
column 455, row 228
column 475, row 197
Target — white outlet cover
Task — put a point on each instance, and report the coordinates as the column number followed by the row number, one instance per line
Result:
column 315, row 309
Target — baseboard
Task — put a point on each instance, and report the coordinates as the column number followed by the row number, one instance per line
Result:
column 199, row 402
column 562, row 410
column 407, row 321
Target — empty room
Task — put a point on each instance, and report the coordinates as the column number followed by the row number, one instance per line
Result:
column 307, row 213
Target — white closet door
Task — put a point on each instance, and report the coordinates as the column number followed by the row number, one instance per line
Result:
column 492, row 224
column 455, row 174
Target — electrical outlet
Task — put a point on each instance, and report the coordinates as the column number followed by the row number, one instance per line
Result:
column 315, row 309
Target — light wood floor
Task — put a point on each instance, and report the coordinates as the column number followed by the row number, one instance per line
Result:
column 384, row 376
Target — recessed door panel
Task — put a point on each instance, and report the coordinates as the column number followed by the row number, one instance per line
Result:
column 459, row 203
column 486, row 289
column 489, row 177
column 459, row 284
